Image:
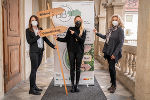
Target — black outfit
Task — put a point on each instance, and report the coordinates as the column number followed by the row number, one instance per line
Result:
column 35, row 54
column 75, row 47
column 113, row 47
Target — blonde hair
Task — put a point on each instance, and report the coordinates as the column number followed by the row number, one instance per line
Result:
column 81, row 27
column 120, row 22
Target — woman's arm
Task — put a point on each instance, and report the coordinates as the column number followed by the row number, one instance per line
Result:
column 63, row 39
column 30, row 39
column 48, row 42
column 121, row 40
column 101, row 35
column 82, row 38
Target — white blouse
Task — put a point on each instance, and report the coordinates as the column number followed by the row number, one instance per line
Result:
column 40, row 40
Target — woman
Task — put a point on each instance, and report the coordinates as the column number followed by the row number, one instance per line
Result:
column 113, row 47
column 36, row 51
column 75, row 38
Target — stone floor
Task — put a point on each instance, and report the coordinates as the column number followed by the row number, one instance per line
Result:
column 45, row 75
column 102, row 77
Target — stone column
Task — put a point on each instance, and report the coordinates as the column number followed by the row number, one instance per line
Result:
column 102, row 25
column 142, row 85
column 35, row 7
column 49, row 50
column 102, row 19
column 43, row 24
column 119, row 8
column 97, row 14
column 109, row 13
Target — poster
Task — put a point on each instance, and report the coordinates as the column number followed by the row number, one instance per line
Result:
column 86, row 10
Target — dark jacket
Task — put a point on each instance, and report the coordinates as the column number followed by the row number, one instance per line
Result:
column 32, row 41
column 114, row 46
column 74, row 42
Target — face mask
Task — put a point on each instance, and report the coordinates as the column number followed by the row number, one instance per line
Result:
column 77, row 24
column 34, row 23
column 115, row 23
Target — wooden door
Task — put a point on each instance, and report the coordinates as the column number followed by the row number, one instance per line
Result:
column 12, row 43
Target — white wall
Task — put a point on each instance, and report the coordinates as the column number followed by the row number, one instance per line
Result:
column 28, row 14
column 1, row 55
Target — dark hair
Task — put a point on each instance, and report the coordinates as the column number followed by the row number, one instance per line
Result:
column 30, row 25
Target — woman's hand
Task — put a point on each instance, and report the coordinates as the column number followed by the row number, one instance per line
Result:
column 94, row 30
column 55, row 36
column 55, row 47
column 112, row 57
column 72, row 32
column 38, row 33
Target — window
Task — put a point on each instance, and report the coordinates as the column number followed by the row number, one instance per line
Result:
column 129, row 18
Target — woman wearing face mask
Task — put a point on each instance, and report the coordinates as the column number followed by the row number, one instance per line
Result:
column 75, row 38
column 36, row 51
column 113, row 47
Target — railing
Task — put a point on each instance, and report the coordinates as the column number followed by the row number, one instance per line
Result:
column 132, row 41
column 126, row 67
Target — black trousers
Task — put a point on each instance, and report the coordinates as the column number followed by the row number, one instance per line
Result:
column 112, row 70
column 75, row 59
column 36, row 58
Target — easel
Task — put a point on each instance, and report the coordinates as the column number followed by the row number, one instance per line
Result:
column 55, row 30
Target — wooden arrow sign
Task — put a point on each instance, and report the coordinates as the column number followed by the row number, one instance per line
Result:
column 50, row 12
column 53, row 31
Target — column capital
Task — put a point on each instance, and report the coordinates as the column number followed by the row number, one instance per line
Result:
column 118, row 4
column 107, row 5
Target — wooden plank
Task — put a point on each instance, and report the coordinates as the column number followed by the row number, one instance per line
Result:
column 53, row 31
column 50, row 12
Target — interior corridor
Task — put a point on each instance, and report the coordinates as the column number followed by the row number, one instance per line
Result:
column 45, row 75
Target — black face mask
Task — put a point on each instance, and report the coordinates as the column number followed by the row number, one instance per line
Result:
column 77, row 24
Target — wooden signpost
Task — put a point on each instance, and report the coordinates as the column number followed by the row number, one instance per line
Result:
column 53, row 31
column 50, row 12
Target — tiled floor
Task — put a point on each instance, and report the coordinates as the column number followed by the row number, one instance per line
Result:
column 45, row 75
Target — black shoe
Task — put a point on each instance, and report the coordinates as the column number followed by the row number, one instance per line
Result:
column 73, row 89
column 109, row 88
column 113, row 89
column 34, row 92
column 76, row 88
column 38, row 89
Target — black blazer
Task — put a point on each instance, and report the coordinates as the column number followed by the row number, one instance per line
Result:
column 114, row 46
column 32, row 41
column 74, row 42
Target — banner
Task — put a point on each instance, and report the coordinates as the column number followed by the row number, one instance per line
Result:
column 86, row 10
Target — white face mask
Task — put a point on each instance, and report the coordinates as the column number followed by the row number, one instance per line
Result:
column 34, row 23
column 115, row 23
